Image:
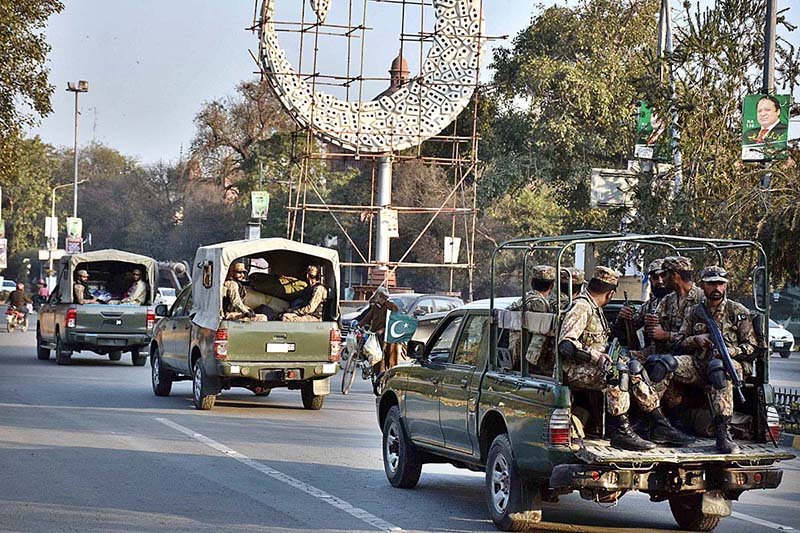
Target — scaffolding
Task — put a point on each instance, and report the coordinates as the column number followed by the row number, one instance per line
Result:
column 453, row 149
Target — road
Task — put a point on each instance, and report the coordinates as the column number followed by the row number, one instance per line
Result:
column 89, row 447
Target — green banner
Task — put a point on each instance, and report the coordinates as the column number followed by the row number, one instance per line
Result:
column 399, row 327
column 651, row 135
column 259, row 204
column 2, row 229
column 765, row 127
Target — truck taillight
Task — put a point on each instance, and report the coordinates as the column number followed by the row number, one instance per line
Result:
column 72, row 317
column 773, row 423
column 151, row 320
column 559, row 427
column 221, row 344
column 336, row 345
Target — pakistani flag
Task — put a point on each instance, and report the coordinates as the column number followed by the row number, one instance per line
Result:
column 399, row 327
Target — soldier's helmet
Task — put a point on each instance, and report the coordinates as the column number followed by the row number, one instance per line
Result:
column 714, row 273
column 543, row 273
column 677, row 263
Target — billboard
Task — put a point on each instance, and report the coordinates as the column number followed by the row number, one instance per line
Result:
column 74, row 228
column 765, row 127
column 651, row 136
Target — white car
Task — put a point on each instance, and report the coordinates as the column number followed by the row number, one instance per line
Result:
column 8, row 285
column 166, row 296
column 780, row 339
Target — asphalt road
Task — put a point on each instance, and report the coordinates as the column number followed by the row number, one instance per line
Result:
column 89, row 447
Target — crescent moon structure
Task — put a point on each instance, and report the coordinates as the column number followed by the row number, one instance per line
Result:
column 422, row 108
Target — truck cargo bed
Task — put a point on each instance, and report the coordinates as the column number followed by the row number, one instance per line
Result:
column 599, row 451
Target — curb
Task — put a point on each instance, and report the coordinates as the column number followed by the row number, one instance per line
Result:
column 789, row 440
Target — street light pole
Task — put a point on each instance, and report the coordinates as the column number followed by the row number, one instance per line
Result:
column 81, row 87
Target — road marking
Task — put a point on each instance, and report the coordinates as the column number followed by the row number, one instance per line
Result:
column 330, row 499
column 760, row 522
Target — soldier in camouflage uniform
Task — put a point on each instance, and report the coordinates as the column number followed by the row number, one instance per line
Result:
column 543, row 279
column 577, row 276
column 583, row 341
column 705, row 366
column 664, row 327
column 656, row 277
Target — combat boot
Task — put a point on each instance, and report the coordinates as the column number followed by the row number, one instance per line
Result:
column 624, row 438
column 725, row 443
column 662, row 432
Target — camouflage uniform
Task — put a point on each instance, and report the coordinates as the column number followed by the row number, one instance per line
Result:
column 578, row 277
column 535, row 301
column 586, row 327
column 734, row 322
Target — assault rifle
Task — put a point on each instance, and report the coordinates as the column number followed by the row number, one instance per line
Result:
column 630, row 335
column 722, row 350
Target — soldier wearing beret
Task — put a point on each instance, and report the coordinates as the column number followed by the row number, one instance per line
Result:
column 583, row 341
column 543, row 278
column 704, row 366
column 664, row 327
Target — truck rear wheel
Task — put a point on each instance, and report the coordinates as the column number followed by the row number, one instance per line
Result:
column 116, row 355
column 785, row 354
column 311, row 401
column 137, row 358
column 63, row 356
column 513, row 501
column 160, row 377
column 42, row 353
column 688, row 513
column 401, row 461
column 202, row 400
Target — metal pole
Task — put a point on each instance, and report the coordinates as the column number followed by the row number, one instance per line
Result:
column 665, row 25
column 384, row 201
column 75, row 179
column 768, row 82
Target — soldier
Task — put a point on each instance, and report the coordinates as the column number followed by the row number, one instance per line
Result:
column 704, row 366
column 664, row 327
column 234, row 291
column 543, row 279
column 578, row 277
column 656, row 277
column 583, row 341
column 311, row 302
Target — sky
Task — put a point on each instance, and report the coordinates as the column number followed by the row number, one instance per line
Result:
column 152, row 64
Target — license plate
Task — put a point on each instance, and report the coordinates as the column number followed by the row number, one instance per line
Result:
column 280, row 347
column 779, row 344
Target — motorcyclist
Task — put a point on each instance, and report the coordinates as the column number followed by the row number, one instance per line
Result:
column 18, row 300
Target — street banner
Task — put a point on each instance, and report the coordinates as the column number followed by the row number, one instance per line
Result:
column 389, row 222
column 73, row 245
column 3, row 254
column 651, row 137
column 51, row 232
column 765, row 127
column 399, row 327
column 74, row 228
column 259, row 204
column 452, row 246
column 2, row 229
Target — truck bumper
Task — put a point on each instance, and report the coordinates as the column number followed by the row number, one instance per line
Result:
column 668, row 479
column 282, row 372
column 109, row 341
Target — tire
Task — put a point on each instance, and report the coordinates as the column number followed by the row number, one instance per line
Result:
column 63, row 357
column 202, row 401
column 785, row 355
column 42, row 354
column 10, row 325
column 311, row 401
column 687, row 511
column 160, row 377
column 513, row 502
column 401, row 460
column 137, row 358
column 116, row 355
column 349, row 373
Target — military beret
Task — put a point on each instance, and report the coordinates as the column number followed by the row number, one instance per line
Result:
column 714, row 273
column 677, row 262
column 575, row 273
column 607, row 275
column 543, row 273
column 656, row 267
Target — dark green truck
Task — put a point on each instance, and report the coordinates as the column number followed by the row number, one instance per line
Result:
column 107, row 327
column 463, row 401
column 194, row 341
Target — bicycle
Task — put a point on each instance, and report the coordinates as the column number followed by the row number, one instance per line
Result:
column 358, row 358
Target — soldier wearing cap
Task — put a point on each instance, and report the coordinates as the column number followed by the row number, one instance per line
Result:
column 312, row 299
column 80, row 292
column 234, row 291
column 137, row 292
column 543, row 278
column 583, row 341
column 656, row 276
column 704, row 366
column 663, row 328
column 570, row 282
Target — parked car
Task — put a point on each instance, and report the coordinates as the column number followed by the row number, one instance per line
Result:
column 166, row 296
column 781, row 340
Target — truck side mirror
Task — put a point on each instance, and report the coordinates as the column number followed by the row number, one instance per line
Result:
column 161, row 310
column 416, row 350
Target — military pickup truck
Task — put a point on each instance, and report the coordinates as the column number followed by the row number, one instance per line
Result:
column 463, row 400
column 194, row 339
column 106, row 327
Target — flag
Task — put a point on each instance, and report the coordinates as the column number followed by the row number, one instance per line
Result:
column 399, row 327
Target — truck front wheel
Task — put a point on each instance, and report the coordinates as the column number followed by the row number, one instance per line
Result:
column 513, row 502
column 160, row 377
column 42, row 353
column 311, row 401
column 688, row 513
column 202, row 400
column 401, row 461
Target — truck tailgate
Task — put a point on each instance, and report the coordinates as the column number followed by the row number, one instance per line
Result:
column 279, row 341
column 599, row 451
column 101, row 318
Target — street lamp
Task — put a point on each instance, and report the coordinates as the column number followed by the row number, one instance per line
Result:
column 81, row 87
column 53, row 215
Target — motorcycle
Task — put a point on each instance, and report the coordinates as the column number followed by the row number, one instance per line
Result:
column 16, row 319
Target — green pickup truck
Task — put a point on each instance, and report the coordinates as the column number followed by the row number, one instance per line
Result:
column 463, row 400
column 194, row 339
column 106, row 327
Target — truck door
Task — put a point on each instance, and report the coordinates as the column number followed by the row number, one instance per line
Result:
column 173, row 331
column 422, row 393
column 458, row 394
column 47, row 316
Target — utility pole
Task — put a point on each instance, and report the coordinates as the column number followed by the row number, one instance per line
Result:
column 81, row 87
column 768, row 80
column 665, row 49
